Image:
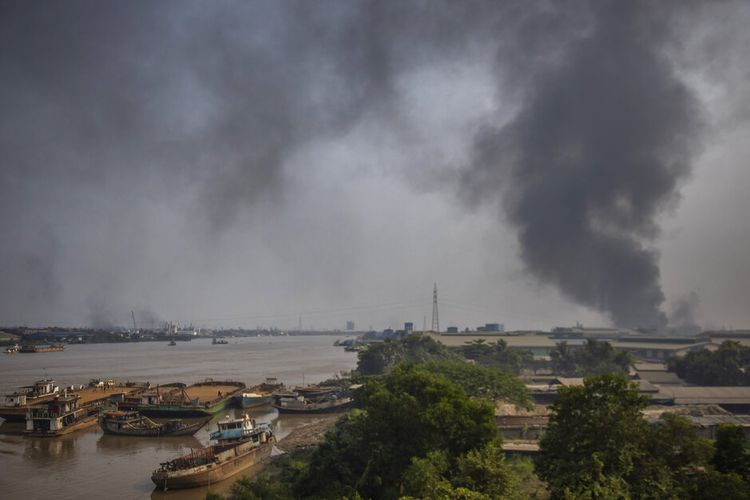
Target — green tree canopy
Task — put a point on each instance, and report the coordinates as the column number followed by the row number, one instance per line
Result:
column 379, row 358
column 594, row 427
column 598, row 446
column 482, row 382
column 728, row 365
column 595, row 357
column 407, row 415
column 496, row 355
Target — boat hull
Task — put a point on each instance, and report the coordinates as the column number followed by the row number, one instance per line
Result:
column 314, row 408
column 183, row 411
column 14, row 414
column 83, row 423
column 174, row 411
column 254, row 402
column 114, row 427
column 212, row 473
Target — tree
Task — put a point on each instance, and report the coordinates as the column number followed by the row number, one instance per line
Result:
column 481, row 382
column 496, row 355
column 594, row 427
column 593, row 358
column 380, row 358
column 732, row 451
column 598, row 446
column 408, row 414
column 728, row 365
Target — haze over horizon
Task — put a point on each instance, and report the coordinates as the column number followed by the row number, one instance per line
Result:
column 244, row 163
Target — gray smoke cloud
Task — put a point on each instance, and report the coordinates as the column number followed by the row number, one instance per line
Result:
column 598, row 149
column 157, row 155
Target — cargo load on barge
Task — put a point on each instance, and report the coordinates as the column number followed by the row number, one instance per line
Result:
column 41, row 348
column 240, row 444
column 203, row 399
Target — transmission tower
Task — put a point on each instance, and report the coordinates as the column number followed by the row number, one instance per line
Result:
column 435, row 321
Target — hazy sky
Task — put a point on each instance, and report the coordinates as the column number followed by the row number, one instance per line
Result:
column 244, row 163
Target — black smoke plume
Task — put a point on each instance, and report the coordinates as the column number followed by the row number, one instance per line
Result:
column 598, row 149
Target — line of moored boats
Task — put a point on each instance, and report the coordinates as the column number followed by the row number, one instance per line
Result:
column 134, row 409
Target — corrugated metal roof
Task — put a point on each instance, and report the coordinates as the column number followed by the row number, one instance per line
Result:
column 705, row 395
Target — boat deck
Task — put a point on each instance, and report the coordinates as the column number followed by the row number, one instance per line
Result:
column 91, row 395
column 209, row 392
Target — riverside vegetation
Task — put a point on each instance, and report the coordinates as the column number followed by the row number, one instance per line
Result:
column 424, row 428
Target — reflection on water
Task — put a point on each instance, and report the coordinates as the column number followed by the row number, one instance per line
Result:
column 45, row 451
column 109, row 444
column 89, row 464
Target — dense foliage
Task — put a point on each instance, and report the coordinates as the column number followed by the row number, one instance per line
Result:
column 598, row 446
column 380, row 358
column 417, row 435
column 481, row 382
column 728, row 365
column 592, row 358
column 408, row 414
column 496, row 355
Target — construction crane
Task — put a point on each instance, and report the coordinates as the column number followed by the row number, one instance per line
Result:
column 135, row 327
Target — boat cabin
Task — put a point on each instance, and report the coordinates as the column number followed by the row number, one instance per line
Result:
column 15, row 399
column 236, row 429
column 42, row 388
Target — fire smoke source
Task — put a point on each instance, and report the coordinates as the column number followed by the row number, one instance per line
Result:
column 595, row 153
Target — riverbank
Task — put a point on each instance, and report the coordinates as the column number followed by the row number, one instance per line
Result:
column 308, row 434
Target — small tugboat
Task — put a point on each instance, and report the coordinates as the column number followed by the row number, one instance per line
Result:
column 58, row 416
column 172, row 342
column 240, row 444
column 132, row 423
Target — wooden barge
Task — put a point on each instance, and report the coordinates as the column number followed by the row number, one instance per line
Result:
column 241, row 443
column 132, row 423
column 203, row 399
column 31, row 348
column 303, row 406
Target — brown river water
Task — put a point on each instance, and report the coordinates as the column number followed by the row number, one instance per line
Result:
column 88, row 464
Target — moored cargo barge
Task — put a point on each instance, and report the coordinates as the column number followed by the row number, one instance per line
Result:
column 198, row 400
column 241, row 443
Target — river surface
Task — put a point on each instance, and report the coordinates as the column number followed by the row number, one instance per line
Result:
column 88, row 464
